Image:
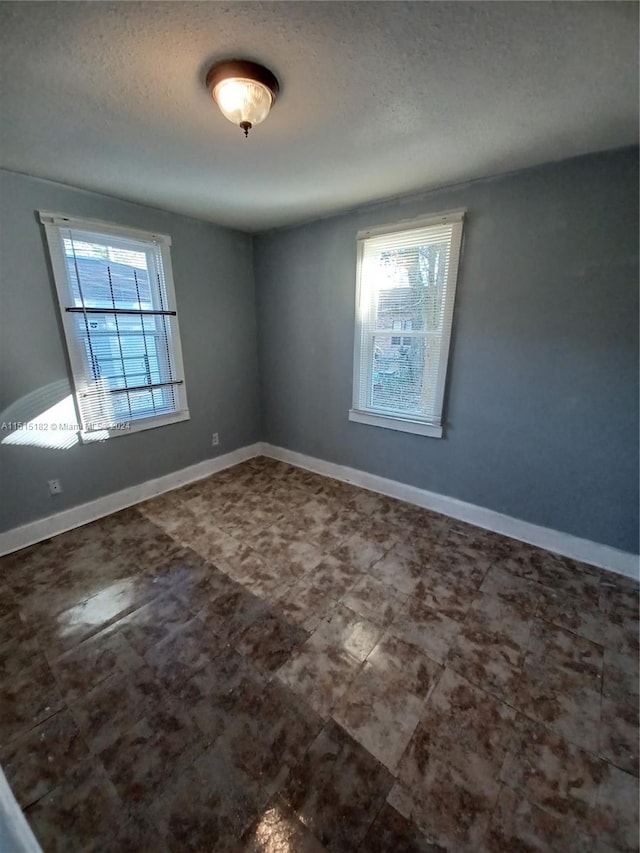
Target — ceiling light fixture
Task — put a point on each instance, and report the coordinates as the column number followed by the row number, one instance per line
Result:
column 244, row 91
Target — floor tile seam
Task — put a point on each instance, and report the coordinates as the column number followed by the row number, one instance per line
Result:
column 361, row 848
column 325, row 723
column 235, row 645
column 496, row 771
column 449, row 664
column 359, row 662
column 385, row 628
column 331, row 720
column 34, row 636
column 521, row 792
column 31, row 727
column 345, row 695
column 27, row 805
column 232, row 529
column 355, row 581
column 69, row 699
column 89, row 756
column 557, row 666
column 168, row 778
column 515, row 705
column 400, row 672
column 315, row 541
column 95, row 630
column 147, row 706
column 397, row 591
column 431, row 609
column 574, row 821
column 554, row 589
column 522, row 648
column 396, row 773
column 591, row 754
column 354, row 676
column 129, row 808
column 560, row 735
column 343, row 539
column 476, row 847
column 72, row 706
column 501, row 787
column 171, row 633
column 324, row 618
column 615, row 766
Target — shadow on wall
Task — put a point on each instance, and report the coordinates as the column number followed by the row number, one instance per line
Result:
column 43, row 418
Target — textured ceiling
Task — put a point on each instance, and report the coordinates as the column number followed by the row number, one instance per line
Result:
column 377, row 99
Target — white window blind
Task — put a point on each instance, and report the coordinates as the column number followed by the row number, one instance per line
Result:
column 118, row 310
column 404, row 311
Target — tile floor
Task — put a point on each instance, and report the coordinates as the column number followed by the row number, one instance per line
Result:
column 270, row 660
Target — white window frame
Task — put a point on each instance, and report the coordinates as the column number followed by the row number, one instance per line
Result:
column 360, row 412
column 54, row 225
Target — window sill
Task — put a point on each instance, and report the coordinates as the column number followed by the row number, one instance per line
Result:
column 129, row 427
column 400, row 424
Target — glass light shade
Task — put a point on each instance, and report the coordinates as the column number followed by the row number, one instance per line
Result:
column 242, row 100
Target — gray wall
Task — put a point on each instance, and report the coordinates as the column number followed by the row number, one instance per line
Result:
column 214, row 285
column 542, row 403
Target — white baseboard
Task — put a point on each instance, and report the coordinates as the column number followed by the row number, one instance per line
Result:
column 52, row 525
column 603, row 556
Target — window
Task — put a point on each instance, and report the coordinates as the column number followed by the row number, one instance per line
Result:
column 406, row 281
column 117, row 303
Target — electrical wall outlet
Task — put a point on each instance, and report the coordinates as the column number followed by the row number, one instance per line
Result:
column 55, row 487
column 215, row 440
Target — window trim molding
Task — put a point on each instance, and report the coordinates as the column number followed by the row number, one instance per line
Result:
column 48, row 217
column 392, row 420
column 444, row 218
column 138, row 425
column 53, row 224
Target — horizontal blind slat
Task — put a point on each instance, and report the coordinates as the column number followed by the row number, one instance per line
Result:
column 136, row 311
column 407, row 240
column 138, row 387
